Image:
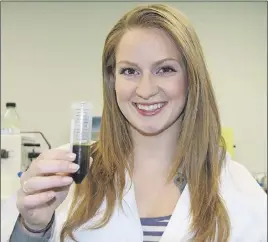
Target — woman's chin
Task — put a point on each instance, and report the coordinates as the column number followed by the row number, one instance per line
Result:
column 149, row 130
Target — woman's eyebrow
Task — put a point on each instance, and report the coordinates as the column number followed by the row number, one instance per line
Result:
column 154, row 64
column 157, row 63
column 127, row 63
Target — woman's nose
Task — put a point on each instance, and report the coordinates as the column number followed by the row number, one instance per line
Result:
column 146, row 87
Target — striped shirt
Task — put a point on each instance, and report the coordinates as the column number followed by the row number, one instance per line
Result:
column 153, row 228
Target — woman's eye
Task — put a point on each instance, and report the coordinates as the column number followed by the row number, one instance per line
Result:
column 128, row 71
column 166, row 69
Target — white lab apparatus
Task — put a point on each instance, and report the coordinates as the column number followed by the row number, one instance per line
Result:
column 16, row 161
column 11, row 165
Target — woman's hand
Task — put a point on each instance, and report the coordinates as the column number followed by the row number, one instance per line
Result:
column 44, row 186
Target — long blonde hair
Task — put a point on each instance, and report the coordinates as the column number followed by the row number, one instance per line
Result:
column 198, row 143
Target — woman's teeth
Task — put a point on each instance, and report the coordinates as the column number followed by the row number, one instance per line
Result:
column 151, row 107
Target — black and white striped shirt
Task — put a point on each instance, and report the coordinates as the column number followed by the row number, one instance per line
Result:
column 153, row 228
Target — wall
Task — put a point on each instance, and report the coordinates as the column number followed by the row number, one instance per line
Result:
column 51, row 56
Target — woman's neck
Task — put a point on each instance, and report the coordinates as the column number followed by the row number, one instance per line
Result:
column 154, row 154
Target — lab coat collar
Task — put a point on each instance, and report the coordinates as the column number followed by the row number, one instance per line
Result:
column 177, row 228
column 129, row 196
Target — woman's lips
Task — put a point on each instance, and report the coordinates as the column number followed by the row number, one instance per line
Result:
column 149, row 109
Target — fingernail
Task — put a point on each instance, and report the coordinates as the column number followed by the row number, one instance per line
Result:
column 67, row 179
column 71, row 156
column 74, row 166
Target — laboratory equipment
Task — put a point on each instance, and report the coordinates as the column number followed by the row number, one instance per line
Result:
column 12, row 162
column 81, row 128
column 17, row 153
column 10, row 120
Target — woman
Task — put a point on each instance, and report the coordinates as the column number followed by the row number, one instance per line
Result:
column 159, row 171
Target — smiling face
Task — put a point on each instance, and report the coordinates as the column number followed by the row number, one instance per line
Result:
column 150, row 80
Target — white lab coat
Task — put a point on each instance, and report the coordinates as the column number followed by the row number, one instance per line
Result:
column 245, row 201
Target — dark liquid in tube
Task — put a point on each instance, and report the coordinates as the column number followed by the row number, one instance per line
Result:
column 82, row 159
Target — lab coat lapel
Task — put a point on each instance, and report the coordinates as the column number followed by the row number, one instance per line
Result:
column 177, row 229
column 129, row 197
column 124, row 225
column 133, row 225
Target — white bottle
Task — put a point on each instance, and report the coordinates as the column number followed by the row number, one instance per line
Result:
column 10, row 120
